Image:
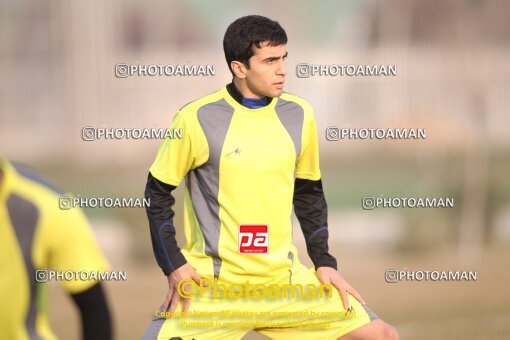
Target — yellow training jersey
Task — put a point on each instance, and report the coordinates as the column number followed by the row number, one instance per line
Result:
column 239, row 166
column 35, row 235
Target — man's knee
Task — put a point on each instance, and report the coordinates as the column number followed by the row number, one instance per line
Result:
column 389, row 333
column 376, row 329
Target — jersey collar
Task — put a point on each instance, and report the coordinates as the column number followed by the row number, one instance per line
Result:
column 234, row 93
column 235, row 98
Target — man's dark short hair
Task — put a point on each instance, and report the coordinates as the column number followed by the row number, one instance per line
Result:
column 249, row 31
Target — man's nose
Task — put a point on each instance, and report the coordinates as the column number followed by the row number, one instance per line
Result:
column 281, row 70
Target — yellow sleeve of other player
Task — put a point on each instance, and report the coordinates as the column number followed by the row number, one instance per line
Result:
column 308, row 161
column 65, row 242
column 177, row 156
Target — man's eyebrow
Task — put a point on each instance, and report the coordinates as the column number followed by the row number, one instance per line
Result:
column 275, row 58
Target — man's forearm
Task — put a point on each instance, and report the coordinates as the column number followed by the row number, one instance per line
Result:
column 312, row 212
column 95, row 315
column 160, row 215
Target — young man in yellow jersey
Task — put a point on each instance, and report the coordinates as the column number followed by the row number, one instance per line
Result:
column 36, row 236
column 249, row 155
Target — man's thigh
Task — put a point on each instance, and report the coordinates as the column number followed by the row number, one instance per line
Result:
column 326, row 319
column 205, row 320
column 169, row 329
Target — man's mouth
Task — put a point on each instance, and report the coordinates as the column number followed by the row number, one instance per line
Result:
column 279, row 85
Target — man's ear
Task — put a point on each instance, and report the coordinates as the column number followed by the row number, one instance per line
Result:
column 238, row 68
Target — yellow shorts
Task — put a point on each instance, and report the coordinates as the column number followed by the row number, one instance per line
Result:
column 306, row 315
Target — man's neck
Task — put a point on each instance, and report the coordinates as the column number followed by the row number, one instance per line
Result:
column 243, row 89
column 251, row 103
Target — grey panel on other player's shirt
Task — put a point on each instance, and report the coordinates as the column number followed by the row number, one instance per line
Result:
column 32, row 175
column 24, row 216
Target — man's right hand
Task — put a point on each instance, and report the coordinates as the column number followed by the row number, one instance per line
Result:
column 183, row 273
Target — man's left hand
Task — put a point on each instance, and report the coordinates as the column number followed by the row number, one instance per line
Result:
column 332, row 276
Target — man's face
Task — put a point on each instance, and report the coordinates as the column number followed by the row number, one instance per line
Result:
column 266, row 75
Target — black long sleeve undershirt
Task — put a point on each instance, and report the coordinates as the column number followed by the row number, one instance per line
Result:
column 95, row 317
column 160, row 215
column 312, row 212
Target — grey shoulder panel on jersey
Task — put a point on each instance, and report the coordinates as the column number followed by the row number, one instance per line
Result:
column 24, row 217
column 203, row 182
column 292, row 116
column 32, row 175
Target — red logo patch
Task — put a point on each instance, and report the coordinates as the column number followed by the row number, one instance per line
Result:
column 253, row 238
